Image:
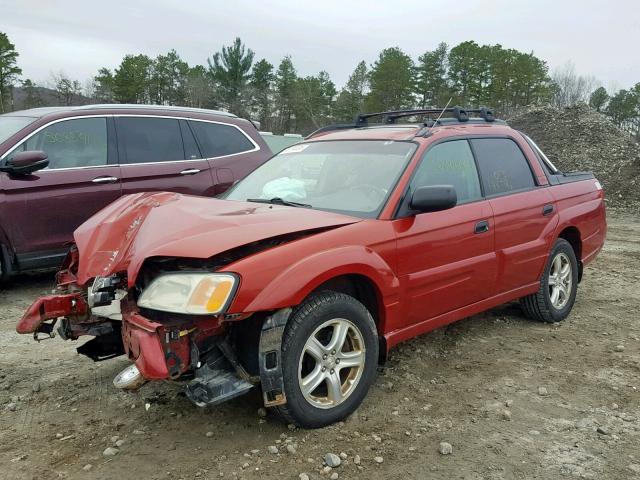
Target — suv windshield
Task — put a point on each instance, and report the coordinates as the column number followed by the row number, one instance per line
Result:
column 348, row 176
column 11, row 125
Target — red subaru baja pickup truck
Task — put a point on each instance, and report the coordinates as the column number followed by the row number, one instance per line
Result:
column 304, row 274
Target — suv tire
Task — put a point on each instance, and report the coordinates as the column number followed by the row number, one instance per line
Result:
column 558, row 286
column 326, row 329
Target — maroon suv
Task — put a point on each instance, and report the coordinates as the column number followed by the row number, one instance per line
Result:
column 60, row 165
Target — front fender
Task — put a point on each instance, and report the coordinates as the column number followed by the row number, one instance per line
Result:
column 294, row 283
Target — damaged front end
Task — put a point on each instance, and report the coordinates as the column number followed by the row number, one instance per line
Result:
column 69, row 307
column 171, row 325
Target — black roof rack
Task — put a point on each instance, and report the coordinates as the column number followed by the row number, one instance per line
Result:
column 457, row 115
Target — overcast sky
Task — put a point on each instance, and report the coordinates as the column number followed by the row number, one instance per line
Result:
column 79, row 36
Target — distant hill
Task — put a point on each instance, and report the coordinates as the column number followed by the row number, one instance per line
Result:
column 42, row 97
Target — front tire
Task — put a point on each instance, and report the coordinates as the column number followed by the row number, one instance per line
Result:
column 558, row 286
column 329, row 359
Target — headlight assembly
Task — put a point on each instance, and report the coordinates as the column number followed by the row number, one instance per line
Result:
column 191, row 293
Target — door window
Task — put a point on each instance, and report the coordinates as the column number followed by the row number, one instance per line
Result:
column 217, row 140
column 503, row 166
column 80, row 142
column 150, row 140
column 450, row 163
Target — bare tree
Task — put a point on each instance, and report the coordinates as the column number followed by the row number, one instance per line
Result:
column 67, row 91
column 571, row 88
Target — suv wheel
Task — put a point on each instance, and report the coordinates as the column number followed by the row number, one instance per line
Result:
column 558, row 287
column 330, row 356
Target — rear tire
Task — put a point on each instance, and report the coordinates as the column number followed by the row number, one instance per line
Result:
column 329, row 359
column 558, row 286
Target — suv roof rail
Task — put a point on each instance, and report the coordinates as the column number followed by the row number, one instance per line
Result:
column 457, row 115
column 140, row 106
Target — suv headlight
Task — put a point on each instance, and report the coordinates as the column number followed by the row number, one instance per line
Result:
column 192, row 293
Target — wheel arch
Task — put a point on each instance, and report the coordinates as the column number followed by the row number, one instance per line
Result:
column 363, row 289
column 7, row 255
column 572, row 235
column 356, row 270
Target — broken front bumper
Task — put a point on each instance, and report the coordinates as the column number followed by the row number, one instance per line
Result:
column 52, row 307
column 193, row 349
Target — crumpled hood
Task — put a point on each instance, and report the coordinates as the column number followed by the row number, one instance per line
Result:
column 135, row 227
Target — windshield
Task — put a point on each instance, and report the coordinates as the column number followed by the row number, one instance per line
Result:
column 352, row 176
column 11, row 125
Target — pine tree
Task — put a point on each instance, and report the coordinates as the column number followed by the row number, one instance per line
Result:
column 432, row 87
column 392, row 81
column 230, row 69
column 9, row 71
column 131, row 81
column 598, row 99
column 261, row 83
column 350, row 101
column 285, row 86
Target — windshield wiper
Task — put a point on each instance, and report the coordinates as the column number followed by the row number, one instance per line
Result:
column 279, row 201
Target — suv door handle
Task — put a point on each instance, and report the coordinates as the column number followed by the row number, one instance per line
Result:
column 190, row 171
column 547, row 209
column 105, row 180
column 481, row 227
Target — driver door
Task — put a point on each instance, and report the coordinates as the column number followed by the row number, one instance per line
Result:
column 446, row 259
column 44, row 208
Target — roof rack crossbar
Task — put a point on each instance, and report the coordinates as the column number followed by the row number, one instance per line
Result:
column 458, row 113
column 461, row 114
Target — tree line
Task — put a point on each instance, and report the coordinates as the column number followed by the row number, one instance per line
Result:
column 233, row 79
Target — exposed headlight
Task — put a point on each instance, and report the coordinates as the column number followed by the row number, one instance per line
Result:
column 193, row 293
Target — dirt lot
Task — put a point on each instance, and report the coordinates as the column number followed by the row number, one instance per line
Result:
column 514, row 398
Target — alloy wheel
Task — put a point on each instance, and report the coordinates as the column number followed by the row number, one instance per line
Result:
column 560, row 281
column 331, row 363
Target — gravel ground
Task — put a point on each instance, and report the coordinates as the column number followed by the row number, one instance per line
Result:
column 491, row 397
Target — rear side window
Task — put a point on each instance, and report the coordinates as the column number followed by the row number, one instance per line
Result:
column 450, row 163
column 73, row 143
column 503, row 166
column 217, row 140
column 147, row 140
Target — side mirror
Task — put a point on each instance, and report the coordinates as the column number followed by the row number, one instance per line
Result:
column 434, row 198
column 25, row 163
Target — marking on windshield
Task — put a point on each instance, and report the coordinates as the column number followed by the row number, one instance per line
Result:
column 295, row 149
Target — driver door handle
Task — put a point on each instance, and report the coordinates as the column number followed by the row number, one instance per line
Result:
column 481, row 227
column 190, row 171
column 105, row 180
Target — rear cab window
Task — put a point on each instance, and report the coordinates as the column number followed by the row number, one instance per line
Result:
column 503, row 167
column 219, row 140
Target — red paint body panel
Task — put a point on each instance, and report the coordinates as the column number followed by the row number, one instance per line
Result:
column 442, row 264
column 50, row 308
column 426, row 270
column 523, row 237
column 140, row 226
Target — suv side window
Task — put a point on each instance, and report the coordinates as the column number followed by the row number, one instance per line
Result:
column 80, row 142
column 150, row 140
column 503, row 166
column 450, row 163
column 217, row 140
